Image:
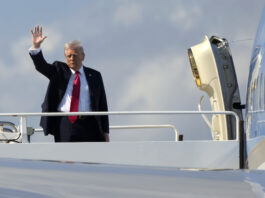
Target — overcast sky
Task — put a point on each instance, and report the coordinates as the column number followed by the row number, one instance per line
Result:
column 139, row 46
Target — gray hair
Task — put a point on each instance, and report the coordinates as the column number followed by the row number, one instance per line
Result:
column 74, row 45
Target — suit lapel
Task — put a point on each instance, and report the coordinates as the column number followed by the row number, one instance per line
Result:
column 91, row 84
column 68, row 74
column 67, row 77
column 64, row 83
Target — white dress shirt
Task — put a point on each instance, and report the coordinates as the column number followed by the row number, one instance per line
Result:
column 34, row 51
column 84, row 99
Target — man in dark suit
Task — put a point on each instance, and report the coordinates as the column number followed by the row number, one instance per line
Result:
column 72, row 88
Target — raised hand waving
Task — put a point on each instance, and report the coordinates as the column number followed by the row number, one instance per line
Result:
column 37, row 37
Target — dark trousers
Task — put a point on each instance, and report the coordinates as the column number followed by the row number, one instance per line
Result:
column 85, row 129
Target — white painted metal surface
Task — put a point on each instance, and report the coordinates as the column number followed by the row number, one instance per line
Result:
column 186, row 154
column 36, row 179
column 255, row 104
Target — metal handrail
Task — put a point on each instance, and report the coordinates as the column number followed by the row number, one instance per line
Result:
column 139, row 127
column 24, row 115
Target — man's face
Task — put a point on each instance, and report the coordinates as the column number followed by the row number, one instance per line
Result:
column 74, row 58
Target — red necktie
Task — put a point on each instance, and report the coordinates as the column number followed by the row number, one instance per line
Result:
column 75, row 97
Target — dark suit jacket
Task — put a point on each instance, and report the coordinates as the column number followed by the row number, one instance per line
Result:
column 59, row 74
